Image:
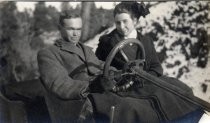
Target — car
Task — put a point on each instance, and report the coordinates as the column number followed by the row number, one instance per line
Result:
column 32, row 108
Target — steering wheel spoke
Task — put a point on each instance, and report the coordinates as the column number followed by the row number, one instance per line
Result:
column 123, row 81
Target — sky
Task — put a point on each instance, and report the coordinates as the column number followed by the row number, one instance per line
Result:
column 22, row 5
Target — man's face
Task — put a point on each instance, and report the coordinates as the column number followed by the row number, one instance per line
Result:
column 124, row 23
column 72, row 28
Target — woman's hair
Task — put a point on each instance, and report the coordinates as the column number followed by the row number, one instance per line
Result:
column 67, row 15
column 136, row 10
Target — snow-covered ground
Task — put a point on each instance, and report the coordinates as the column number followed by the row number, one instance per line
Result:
column 199, row 79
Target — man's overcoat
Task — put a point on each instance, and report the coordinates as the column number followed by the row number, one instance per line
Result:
column 65, row 71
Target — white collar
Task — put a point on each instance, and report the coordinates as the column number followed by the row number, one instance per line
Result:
column 133, row 34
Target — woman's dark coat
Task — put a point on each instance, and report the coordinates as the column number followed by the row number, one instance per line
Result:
column 107, row 42
column 166, row 105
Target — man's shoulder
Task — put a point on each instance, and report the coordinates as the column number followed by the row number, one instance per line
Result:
column 86, row 46
column 51, row 49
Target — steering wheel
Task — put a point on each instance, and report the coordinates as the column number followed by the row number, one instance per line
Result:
column 118, row 48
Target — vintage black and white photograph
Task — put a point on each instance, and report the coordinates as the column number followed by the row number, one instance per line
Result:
column 105, row 62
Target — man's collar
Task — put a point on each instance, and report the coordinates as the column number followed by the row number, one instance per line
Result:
column 70, row 47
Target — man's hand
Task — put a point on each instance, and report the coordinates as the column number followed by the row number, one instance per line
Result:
column 100, row 84
column 107, row 84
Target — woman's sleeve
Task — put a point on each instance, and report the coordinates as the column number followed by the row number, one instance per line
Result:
column 102, row 50
column 155, row 65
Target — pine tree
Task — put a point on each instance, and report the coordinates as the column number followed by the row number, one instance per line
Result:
column 10, row 41
column 100, row 20
column 42, row 20
column 65, row 6
column 18, row 57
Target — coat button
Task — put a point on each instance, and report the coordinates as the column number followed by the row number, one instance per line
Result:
column 131, row 44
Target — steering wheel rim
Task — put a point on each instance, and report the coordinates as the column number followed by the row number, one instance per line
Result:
column 117, row 48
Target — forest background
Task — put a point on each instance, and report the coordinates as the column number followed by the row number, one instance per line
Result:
column 179, row 30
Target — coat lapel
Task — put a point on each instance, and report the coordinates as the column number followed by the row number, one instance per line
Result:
column 86, row 55
column 85, row 50
column 70, row 47
column 94, row 67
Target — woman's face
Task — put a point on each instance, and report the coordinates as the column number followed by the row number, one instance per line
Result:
column 124, row 23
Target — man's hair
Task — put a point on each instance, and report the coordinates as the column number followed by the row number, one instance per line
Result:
column 68, row 15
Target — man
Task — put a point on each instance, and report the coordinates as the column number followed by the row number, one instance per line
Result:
column 57, row 66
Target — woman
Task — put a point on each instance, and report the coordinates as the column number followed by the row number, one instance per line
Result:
column 126, row 16
column 167, row 106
